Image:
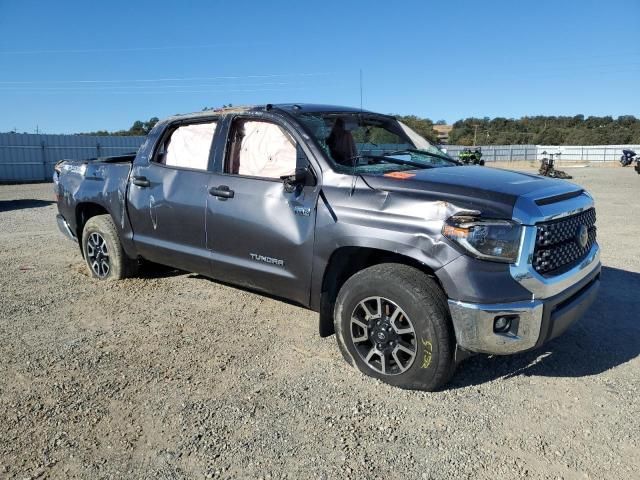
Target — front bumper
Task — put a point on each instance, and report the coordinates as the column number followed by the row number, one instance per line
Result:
column 532, row 322
column 550, row 305
column 63, row 226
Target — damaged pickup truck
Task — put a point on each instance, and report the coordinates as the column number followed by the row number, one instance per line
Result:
column 412, row 259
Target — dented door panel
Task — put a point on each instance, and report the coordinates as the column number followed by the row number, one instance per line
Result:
column 169, row 216
column 262, row 238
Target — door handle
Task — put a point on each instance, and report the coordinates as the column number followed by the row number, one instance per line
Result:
column 141, row 181
column 222, row 192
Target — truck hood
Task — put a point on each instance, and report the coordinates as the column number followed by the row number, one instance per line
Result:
column 492, row 191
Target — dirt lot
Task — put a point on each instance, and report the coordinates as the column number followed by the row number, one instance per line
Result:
column 173, row 376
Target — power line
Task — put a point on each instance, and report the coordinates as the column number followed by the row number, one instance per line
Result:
column 158, row 91
column 131, row 49
column 90, row 88
column 174, row 79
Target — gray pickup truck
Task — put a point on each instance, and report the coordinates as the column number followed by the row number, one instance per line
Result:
column 412, row 259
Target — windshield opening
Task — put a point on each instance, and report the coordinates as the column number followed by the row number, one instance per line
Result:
column 369, row 143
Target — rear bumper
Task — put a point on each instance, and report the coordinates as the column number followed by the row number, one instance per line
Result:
column 63, row 226
column 532, row 323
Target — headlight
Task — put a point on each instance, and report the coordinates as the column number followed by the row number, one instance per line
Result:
column 497, row 240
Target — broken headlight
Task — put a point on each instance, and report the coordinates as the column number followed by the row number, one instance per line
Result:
column 497, row 240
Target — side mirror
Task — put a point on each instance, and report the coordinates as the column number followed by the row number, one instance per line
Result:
column 296, row 180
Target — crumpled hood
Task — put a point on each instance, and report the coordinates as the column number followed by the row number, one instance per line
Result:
column 492, row 191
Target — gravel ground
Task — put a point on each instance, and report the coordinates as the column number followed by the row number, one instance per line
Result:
column 173, row 376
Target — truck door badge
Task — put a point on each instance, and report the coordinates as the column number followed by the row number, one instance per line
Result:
column 302, row 211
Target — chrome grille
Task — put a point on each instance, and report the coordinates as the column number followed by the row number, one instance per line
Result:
column 557, row 247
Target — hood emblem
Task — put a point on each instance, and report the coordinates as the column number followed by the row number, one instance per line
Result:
column 583, row 236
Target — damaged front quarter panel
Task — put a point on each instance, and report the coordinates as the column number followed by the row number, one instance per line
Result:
column 398, row 215
column 407, row 225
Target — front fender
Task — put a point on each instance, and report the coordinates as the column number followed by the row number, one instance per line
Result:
column 374, row 220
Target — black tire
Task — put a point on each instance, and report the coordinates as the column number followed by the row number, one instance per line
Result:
column 423, row 307
column 101, row 246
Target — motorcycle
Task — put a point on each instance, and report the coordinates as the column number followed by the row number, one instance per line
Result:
column 627, row 158
column 547, row 167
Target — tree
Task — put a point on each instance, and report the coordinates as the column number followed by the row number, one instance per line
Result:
column 149, row 124
column 139, row 128
column 550, row 130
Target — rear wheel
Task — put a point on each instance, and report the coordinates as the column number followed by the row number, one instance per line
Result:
column 103, row 251
column 392, row 323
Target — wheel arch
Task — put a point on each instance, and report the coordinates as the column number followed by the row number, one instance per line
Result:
column 346, row 261
column 84, row 211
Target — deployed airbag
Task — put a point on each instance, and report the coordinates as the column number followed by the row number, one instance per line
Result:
column 189, row 146
column 266, row 151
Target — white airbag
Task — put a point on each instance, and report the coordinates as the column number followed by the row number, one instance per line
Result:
column 266, row 151
column 189, row 146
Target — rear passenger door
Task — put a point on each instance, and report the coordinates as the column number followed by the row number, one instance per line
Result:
column 168, row 197
column 261, row 235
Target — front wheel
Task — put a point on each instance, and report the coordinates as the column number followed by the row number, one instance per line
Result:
column 392, row 323
column 103, row 251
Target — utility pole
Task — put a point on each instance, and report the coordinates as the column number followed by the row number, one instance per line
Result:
column 475, row 133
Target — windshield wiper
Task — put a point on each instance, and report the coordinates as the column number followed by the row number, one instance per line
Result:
column 396, row 161
column 423, row 152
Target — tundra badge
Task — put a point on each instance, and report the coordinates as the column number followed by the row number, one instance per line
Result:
column 271, row 260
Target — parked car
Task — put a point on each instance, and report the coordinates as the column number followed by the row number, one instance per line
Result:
column 414, row 260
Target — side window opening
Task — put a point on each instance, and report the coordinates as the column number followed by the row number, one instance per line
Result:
column 188, row 146
column 262, row 149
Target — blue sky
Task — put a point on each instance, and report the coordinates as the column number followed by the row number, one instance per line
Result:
column 79, row 66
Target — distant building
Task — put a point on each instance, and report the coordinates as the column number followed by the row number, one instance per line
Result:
column 443, row 133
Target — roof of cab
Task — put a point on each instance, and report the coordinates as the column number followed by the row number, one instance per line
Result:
column 316, row 108
column 287, row 107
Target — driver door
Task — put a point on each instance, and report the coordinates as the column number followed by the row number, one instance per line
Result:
column 260, row 235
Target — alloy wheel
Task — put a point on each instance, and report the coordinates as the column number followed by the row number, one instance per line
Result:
column 383, row 335
column 98, row 254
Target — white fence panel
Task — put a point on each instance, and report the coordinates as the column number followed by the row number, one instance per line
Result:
column 30, row 158
column 587, row 153
column 567, row 153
